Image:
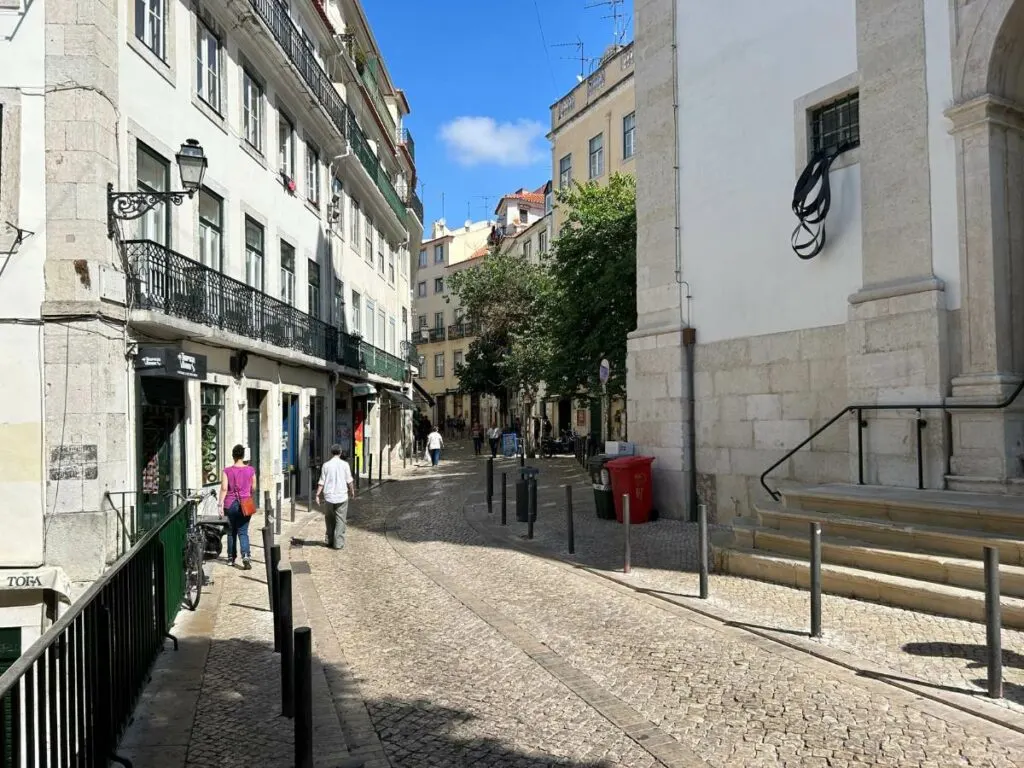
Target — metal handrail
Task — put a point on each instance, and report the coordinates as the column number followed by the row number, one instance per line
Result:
column 921, row 424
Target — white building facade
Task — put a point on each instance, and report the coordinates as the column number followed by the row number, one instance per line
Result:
column 743, row 349
column 271, row 309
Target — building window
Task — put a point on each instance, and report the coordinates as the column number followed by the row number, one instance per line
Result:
column 380, row 254
column 527, row 249
column 438, row 285
column 287, row 274
column 313, row 290
column 439, row 320
column 208, row 67
column 458, row 359
column 312, row 174
column 422, row 365
column 439, row 254
column 565, row 172
column 392, row 333
column 542, row 243
column 439, row 365
column 524, row 215
column 286, row 145
column 422, row 322
column 357, row 323
column 381, row 324
column 836, row 125
column 338, row 203
column 253, row 254
column 371, row 313
column 597, row 156
column 368, row 241
column 339, row 303
column 391, row 263
column 211, row 229
column 421, row 289
column 211, row 448
column 151, row 25
column 629, row 135
column 252, row 111
column 405, row 324
column 357, row 220
column 153, row 175
column 423, row 258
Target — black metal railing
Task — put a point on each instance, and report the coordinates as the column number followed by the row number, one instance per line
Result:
column 462, row 330
column 414, row 204
column 920, row 423
column 405, row 138
column 67, row 700
column 436, row 334
column 169, row 282
column 419, row 337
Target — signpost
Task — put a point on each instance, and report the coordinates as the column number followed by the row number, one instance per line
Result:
column 603, row 373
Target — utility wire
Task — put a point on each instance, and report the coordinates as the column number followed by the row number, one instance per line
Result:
column 544, row 41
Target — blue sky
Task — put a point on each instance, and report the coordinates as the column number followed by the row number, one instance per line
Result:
column 480, row 80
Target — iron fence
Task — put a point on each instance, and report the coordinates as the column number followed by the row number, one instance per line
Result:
column 68, row 699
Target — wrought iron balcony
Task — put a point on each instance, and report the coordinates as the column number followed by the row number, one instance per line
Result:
column 381, row 363
column 369, row 79
column 405, row 139
column 414, row 204
column 419, row 337
column 436, row 334
column 371, row 163
column 168, row 282
column 462, row 330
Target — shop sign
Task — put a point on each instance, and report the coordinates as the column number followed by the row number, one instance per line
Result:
column 170, row 362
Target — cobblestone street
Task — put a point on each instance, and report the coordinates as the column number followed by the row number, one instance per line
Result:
column 441, row 642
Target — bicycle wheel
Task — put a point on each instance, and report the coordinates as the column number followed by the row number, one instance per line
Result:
column 193, row 574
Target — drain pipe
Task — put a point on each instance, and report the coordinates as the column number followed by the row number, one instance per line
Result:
column 689, row 333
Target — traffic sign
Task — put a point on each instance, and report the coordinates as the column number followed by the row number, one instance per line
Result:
column 604, row 371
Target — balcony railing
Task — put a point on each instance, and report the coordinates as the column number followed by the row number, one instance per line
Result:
column 168, row 282
column 462, row 330
column 405, row 138
column 413, row 202
column 381, row 363
column 369, row 78
column 436, row 334
column 299, row 53
column 419, row 337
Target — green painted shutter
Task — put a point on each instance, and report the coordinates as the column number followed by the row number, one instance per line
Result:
column 10, row 650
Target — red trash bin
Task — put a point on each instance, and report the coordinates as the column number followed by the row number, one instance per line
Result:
column 631, row 475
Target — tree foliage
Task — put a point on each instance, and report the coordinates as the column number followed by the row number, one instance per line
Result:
column 592, row 265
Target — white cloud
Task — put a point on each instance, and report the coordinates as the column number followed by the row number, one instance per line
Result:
column 483, row 141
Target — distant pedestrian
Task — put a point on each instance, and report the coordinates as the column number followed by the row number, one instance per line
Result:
column 334, row 488
column 478, row 438
column 493, row 436
column 434, row 445
column 237, row 487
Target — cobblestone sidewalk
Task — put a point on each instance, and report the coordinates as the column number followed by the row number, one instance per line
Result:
column 943, row 656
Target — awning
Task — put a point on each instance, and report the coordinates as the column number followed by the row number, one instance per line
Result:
column 48, row 577
column 400, row 398
column 360, row 388
column 423, row 393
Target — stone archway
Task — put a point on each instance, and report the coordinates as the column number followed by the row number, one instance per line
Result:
column 988, row 126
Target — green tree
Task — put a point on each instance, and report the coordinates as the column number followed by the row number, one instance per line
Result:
column 592, row 265
column 505, row 295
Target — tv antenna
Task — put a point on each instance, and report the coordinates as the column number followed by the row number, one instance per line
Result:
column 487, row 205
column 617, row 16
column 581, row 56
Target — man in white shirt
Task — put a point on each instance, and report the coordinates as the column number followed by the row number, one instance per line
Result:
column 334, row 487
column 434, row 445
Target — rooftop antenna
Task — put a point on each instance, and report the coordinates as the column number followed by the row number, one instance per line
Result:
column 578, row 45
column 617, row 16
column 487, row 204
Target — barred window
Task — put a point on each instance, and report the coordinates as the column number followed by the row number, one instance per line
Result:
column 836, row 124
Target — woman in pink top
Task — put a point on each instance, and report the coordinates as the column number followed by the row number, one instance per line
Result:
column 239, row 482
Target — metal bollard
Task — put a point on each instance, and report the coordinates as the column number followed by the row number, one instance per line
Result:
column 268, row 542
column 303, row 686
column 522, row 503
column 369, row 471
column 993, row 624
column 570, row 527
column 531, row 508
column 279, row 501
column 490, row 483
column 275, row 563
column 522, row 459
column 356, row 462
column 815, row 532
column 309, row 489
column 266, row 501
column 284, row 618
column 625, row 522
column 505, row 492
column 702, row 542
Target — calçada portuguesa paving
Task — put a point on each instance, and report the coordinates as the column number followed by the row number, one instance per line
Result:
column 444, row 639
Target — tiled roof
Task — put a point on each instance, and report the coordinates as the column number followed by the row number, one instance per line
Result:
column 534, row 198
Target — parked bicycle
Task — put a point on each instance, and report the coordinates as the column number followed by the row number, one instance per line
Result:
column 196, row 542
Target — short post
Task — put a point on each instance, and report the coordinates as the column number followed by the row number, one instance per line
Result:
column 369, row 473
column 504, row 498
column 275, row 563
column 522, row 458
column 268, row 542
column 279, row 503
column 570, row 529
column 266, row 501
column 625, row 522
column 522, row 503
column 309, row 489
column 303, row 687
column 490, row 485
column 702, row 530
column 993, row 624
column 356, row 462
column 380, row 468
column 284, row 617
column 531, row 489
column 815, row 529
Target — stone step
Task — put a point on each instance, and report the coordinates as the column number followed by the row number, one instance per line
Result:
column 940, row 569
column 898, row 591
column 988, row 513
column 933, row 539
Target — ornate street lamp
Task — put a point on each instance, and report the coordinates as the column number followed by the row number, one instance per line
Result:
column 125, row 206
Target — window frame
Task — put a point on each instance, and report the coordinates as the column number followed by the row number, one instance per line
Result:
column 206, row 225
column 153, row 38
column 629, row 136
column 255, row 257
column 596, row 155
column 421, row 289
column 438, row 285
column 439, row 253
column 287, row 163
column 312, row 174
column 160, row 213
column 439, row 320
column 840, row 105
column 439, row 369
column 357, row 320
column 253, row 112
column 368, row 241
column 287, row 273
column 565, row 171
column 203, row 69
column 423, row 258
column 314, row 292
column 339, row 303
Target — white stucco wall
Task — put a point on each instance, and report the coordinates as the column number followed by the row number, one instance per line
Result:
column 21, row 291
column 738, row 84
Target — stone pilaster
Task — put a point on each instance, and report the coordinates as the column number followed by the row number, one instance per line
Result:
column 87, row 398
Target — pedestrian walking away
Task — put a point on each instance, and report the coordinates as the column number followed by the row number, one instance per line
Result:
column 493, row 436
column 333, row 491
column 478, row 438
column 434, row 445
column 237, row 492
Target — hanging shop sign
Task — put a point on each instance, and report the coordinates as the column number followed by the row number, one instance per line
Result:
column 170, row 362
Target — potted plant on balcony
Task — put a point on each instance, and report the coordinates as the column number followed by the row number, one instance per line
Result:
column 360, row 58
column 288, row 183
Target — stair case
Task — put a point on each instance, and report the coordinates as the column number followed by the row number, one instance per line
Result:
column 920, row 550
